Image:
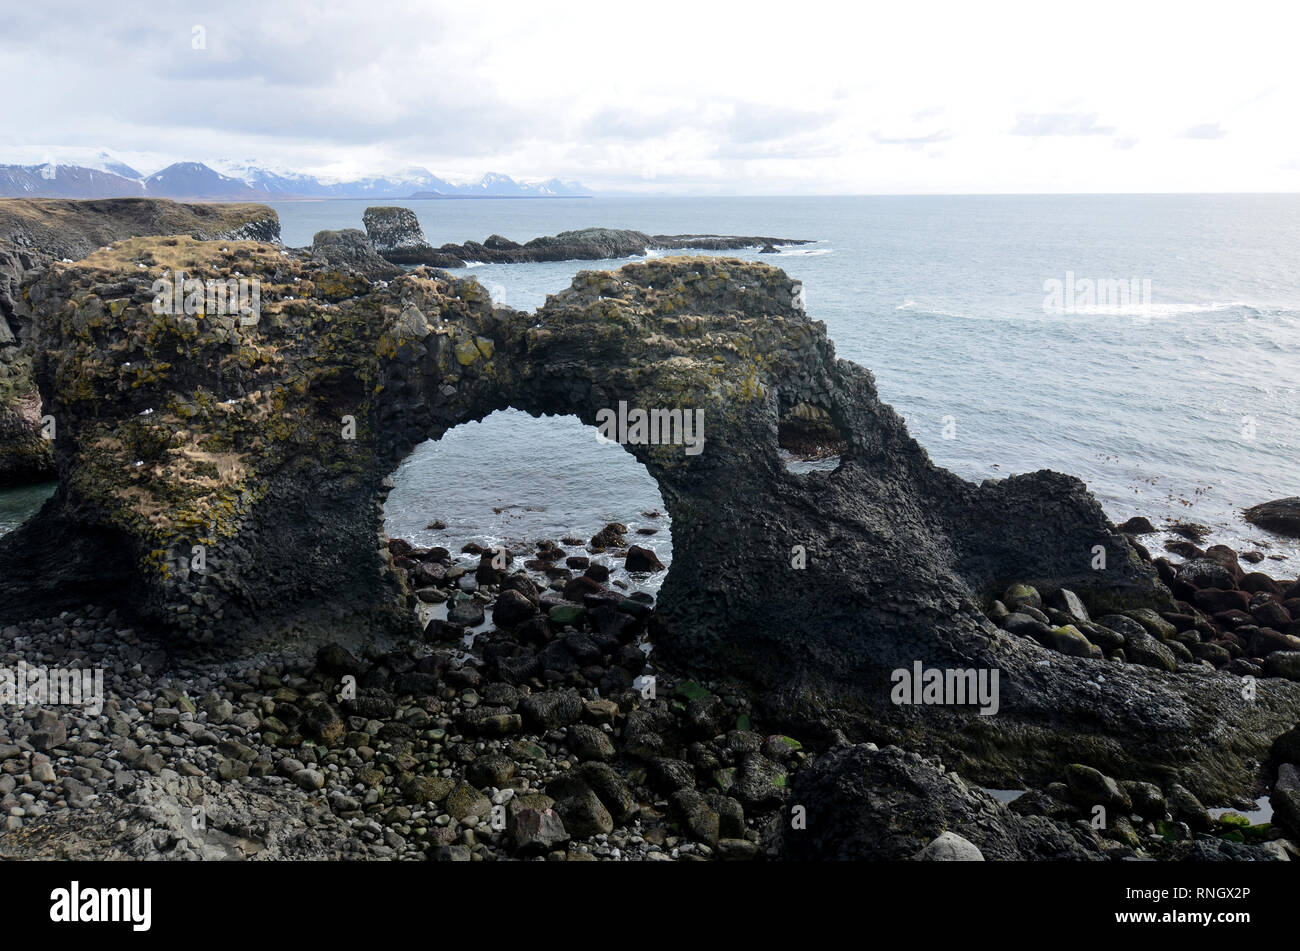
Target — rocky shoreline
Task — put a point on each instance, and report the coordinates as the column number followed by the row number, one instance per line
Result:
column 394, row 233
column 216, row 545
column 1224, row 617
column 540, row 737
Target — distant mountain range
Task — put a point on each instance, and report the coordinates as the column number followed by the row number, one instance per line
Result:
column 107, row 177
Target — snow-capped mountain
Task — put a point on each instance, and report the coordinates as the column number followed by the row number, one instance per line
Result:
column 104, row 176
column 65, row 181
column 195, row 180
column 272, row 182
column 105, row 162
column 554, row 188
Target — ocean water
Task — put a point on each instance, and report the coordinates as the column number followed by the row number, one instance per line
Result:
column 16, row 505
column 1182, row 402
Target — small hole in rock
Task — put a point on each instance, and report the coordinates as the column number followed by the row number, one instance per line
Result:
column 809, row 440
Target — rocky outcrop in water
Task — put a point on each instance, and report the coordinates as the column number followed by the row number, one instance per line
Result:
column 397, row 236
column 1280, row 515
column 225, row 479
column 35, row 232
column 351, row 249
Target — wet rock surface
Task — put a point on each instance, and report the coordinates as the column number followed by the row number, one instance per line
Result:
column 1281, row 516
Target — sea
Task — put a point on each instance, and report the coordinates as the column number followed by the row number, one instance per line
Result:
column 1148, row 344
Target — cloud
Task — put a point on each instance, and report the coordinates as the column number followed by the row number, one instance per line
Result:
column 689, row 98
column 915, row 141
column 757, row 122
column 1059, row 123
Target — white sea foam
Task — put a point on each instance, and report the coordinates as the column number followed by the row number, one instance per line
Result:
column 1153, row 310
column 791, row 251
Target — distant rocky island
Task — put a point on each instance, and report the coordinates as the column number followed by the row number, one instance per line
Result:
column 394, row 233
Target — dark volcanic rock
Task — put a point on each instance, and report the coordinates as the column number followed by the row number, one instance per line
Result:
column 248, row 444
column 396, row 235
column 36, row 232
column 512, row 608
column 1285, row 798
column 889, row 804
column 350, row 248
column 1138, row 525
column 642, row 559
column 1280, row 515
column 592, row 244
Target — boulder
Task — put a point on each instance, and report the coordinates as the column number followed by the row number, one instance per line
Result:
column 351, row 249
column 642, row 559
column 1063, row 599
column 1283, row 664
column 1285, row 798
column 949, row 847
column 1281, row 516
column 1022, row 595
column 536, row 831
column 1185, row 807
column 1069, row 640
column 1147, row 799
column 886, row 804
column 1138, row 525
column 1089, row 787
column 1139, row 646
column 512, row 608
column 1214, row 600
column 396, row 235
column 1205, row 573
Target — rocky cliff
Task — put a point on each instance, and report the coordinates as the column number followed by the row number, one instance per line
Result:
column 223, row 479
column 35, row 232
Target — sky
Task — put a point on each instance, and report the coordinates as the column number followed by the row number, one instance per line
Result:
column 701, row 97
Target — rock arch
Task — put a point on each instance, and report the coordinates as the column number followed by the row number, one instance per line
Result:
column 182, row 430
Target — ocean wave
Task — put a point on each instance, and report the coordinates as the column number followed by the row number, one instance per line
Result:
column 1135, row 312
column 789, row 251
column 1154, row 310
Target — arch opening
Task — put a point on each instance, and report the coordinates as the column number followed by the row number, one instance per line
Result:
column 579, row 518
column 19, row 503
column 809, row 440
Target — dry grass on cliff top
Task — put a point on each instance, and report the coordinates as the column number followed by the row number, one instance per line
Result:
column 74, row 228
